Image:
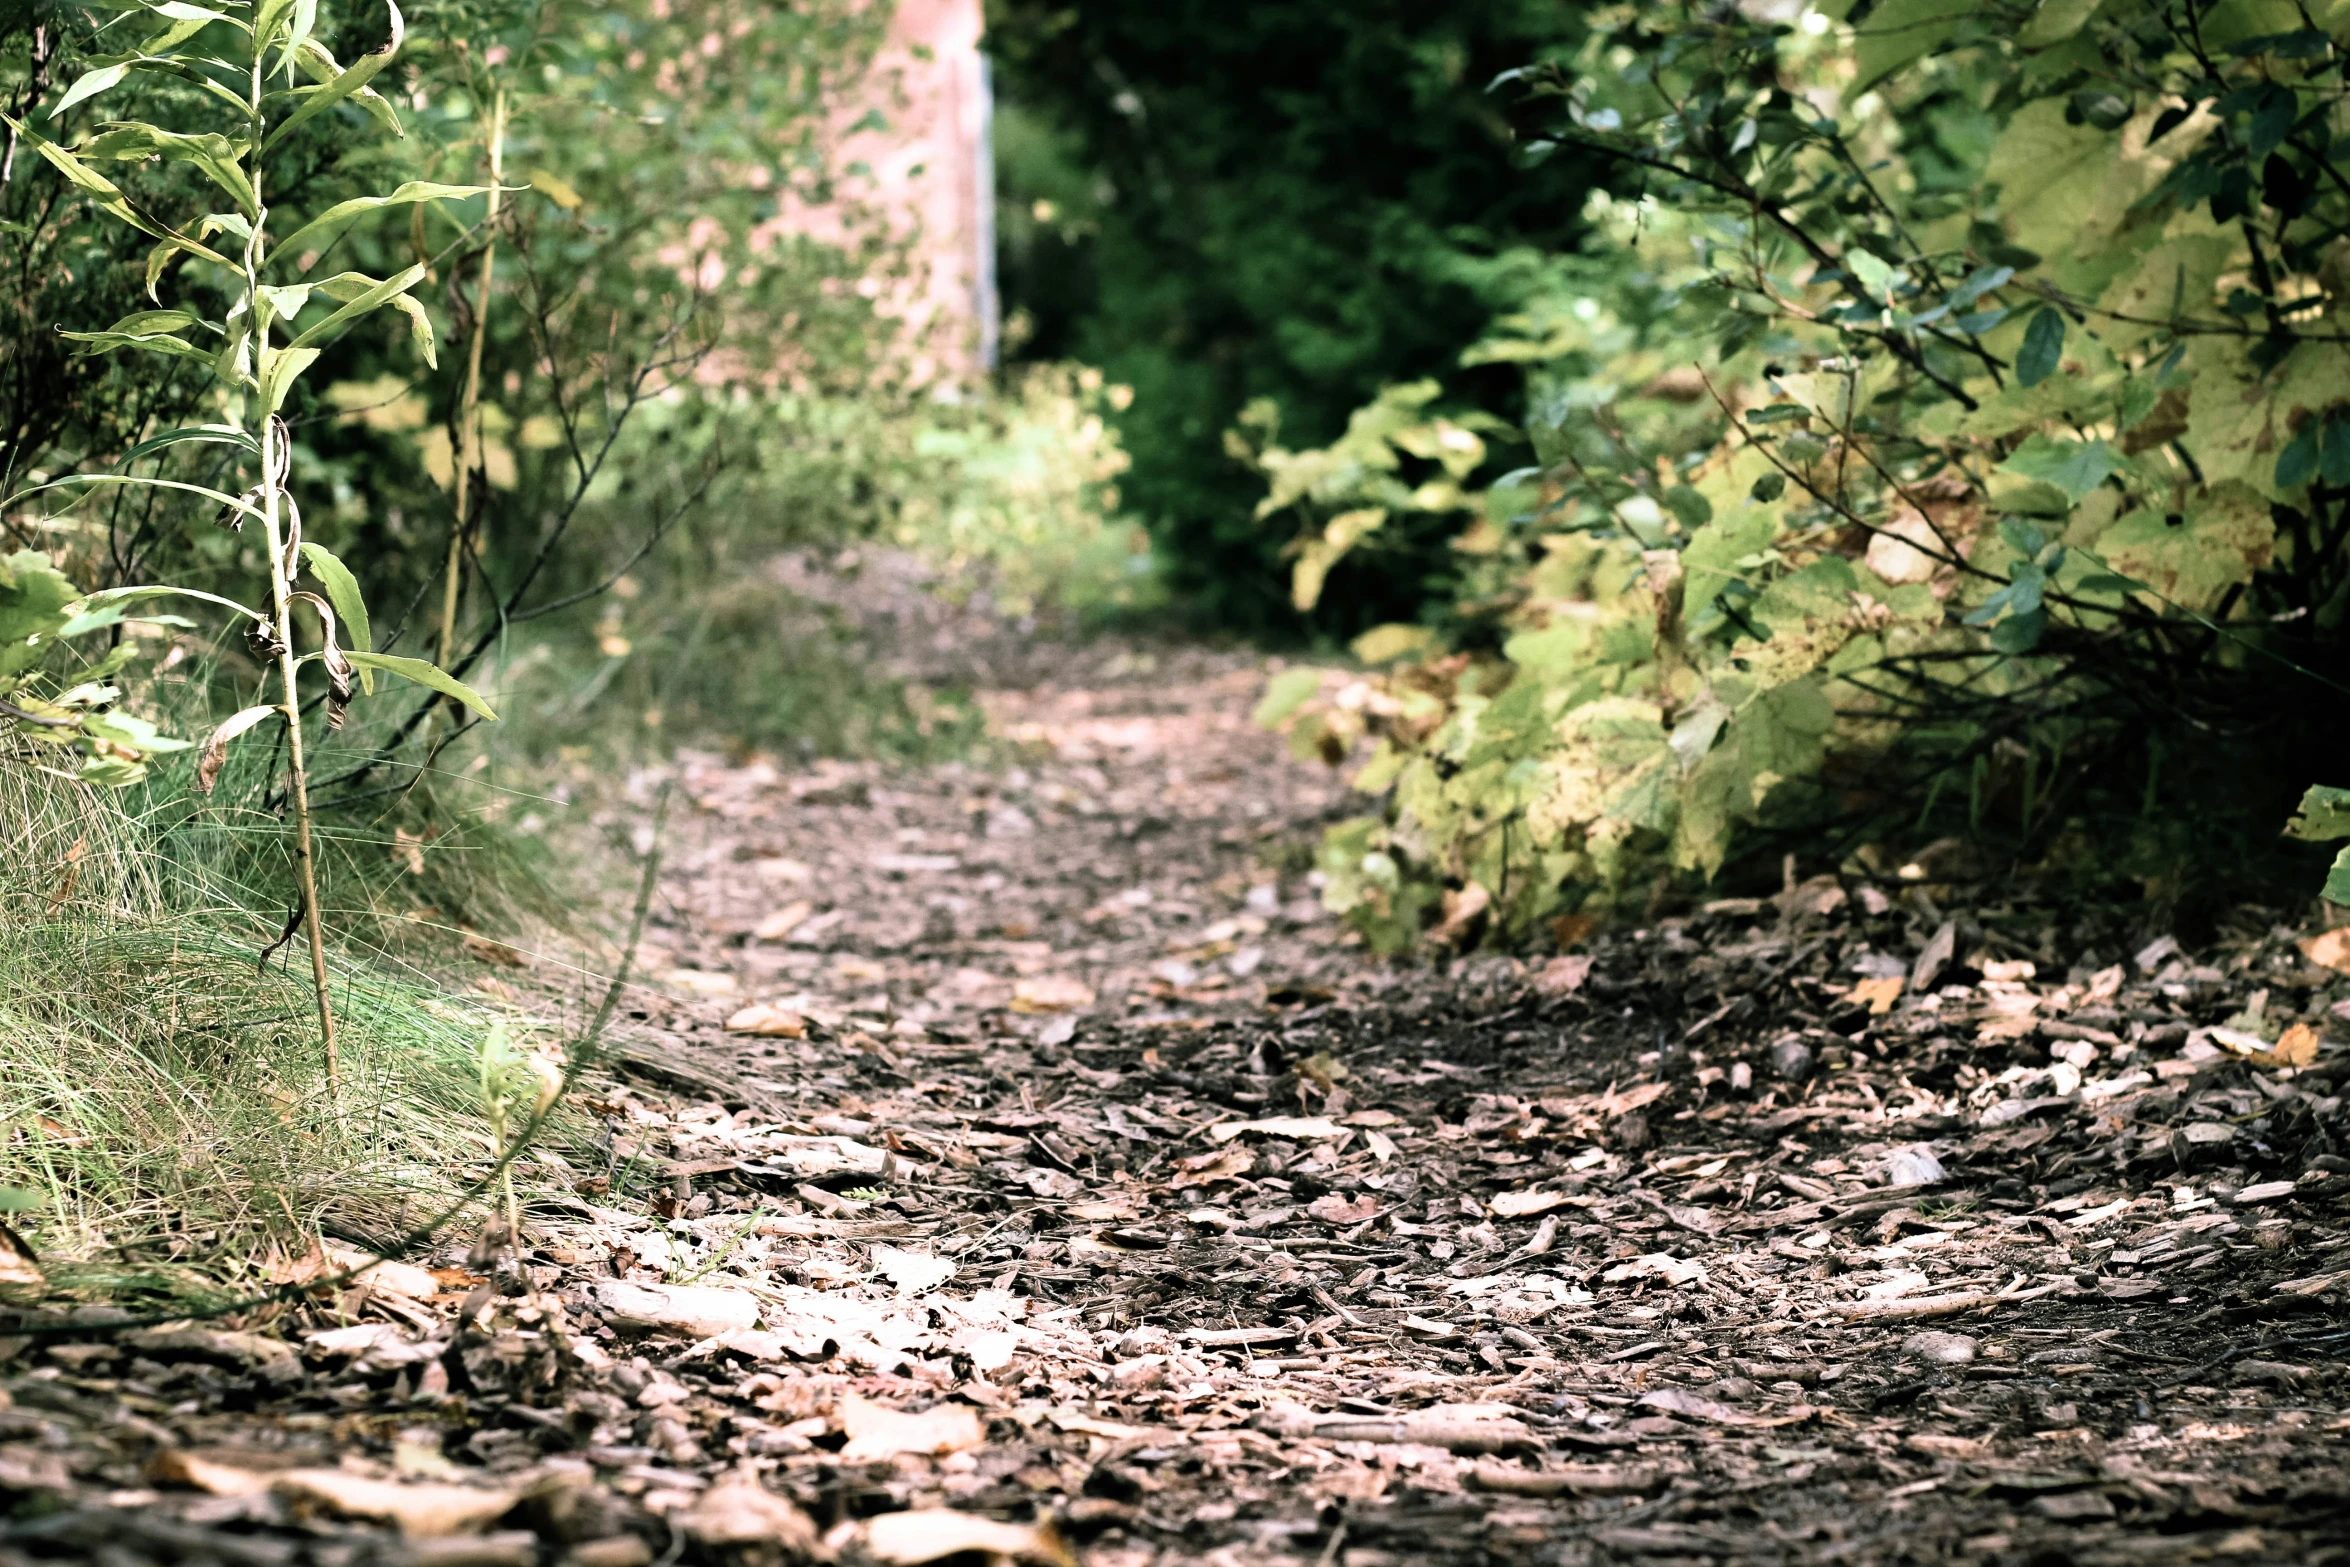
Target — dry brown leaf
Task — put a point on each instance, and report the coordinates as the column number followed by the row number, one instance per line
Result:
column 1331, row 1208
column 695, row 1311
column 1524, row 1205
column 2297, row 1046
column 419, row 1511
column 878, row 1431
column 19, row 1268
column 490, row 951
column 776, row 926
column 1572, row 930
column 211, row 1474
column 2329, row 949
column 1051, row 993
column 768, row 1022
column 1563, row 976
column 738, row 1510
column 927, row 1534
column 1878, row 995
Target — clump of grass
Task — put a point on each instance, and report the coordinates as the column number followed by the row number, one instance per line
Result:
column 168, row 1101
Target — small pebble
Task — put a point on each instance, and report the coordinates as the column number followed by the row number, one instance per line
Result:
column 1791, row 1059
column 1912, row 1165
column 1941, row 1349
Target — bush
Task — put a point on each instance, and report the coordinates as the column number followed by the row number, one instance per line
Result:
column 1951, row 430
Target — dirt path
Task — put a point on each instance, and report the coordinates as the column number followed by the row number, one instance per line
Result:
column 1088, row 1198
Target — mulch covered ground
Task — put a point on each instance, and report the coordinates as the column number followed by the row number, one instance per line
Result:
column 1068, row 1188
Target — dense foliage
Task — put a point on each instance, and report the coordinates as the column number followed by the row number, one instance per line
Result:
column 1220, row 204
column 1951, row 421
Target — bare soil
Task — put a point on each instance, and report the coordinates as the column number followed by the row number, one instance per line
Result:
column 1090, row 1185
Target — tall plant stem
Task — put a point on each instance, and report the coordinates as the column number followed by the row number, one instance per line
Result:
column 275, row 461
column 469, row 405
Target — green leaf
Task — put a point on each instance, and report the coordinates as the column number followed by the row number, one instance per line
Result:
column 427, row 674
column 2337, row 887
column 136, row 594
column 413, row 191
column 16, row 1199
column 213, row 434
column 2224, row 535
column 230, row 501
column 280, row 369
column 2323, row 816
column 1285, row 693
column 361, row 72
column 91, row 84
column 2055, row 21
column 2075, row 467
column 186, row 22
column 2043, row 347
column 368, row 297
column 1900, row 31
column 212, row 154
column 342, row 591
column 2297, row 463
column 154, row 342
column 106, row 196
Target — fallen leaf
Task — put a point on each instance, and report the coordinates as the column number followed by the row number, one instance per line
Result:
column 419, row 1511
column 783, row 921
column 738, row 1510
column 926, row 1534
column 768, row 1021
column 700, row 982
column 391, row 1278
column 2297, row 1046
column 878, row 1431
column 1657, row 1265
column 912, row 1271
column 2329, row 949
column 687, row 1310
column 1331, row 1208
column 174, row 1466
column 489, row 951
column 1878, row 995
column 19, row 1268
column 1300, row 1128
column 1524, row 1205
column 1564, row 975
column 1051, row 993
column 1681, row 1401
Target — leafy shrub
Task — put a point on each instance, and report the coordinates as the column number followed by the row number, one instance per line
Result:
column 1955, row 413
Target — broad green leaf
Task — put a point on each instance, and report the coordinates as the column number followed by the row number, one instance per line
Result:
column 342, row 591
column 215, row 434
column 1285, row 693
column 280, row 368
column 425, row 674
column 365, row 301
column 361, row 72
column 2323, row 816
column 313, row 60
column 2055, row 21
column 2075, row 467
column 16, row 1199
column 153, row 342
column 89, row 86
column 1900, row 31
column 215, row 156
column 105, row 194
column 2337, row 887
column 413, row 191
column 2043, row 347
column 141, row 593
column 2222, row 538
column 146, row 323
column 186, row 22
column 230, row 501
column 1341, row 534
